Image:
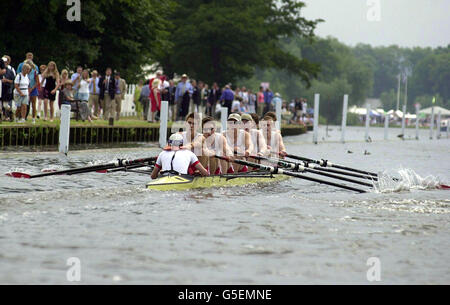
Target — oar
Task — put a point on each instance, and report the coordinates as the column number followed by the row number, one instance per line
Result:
column 294, row 165
column 276, row 170
column 326, row 163
column 301, row 168
column 128, row 168
column 94, row 168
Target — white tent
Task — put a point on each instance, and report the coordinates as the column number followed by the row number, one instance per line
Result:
column 410, row 116
column 443, row 111
column 397, row 113
column 359, row 111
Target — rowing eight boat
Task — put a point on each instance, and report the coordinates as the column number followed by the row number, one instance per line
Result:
column 186, row 182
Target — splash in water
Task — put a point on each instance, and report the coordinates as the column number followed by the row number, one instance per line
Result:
column 409, row 180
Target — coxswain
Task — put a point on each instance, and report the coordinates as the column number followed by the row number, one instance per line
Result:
column 175, row 159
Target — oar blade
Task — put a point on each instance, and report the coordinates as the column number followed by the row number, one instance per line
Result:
column 444, row 187
column 18, row 175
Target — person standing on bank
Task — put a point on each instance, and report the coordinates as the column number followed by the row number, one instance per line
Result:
column 83, row 88
column 28, row 56
column 33, row 88
column 121, row 89
column 144, row 99
column 21, row 93
column 51, row 76
column 83, row 95
column 155, row 99
column 94, row 92
column 40, row 101
column 183, row 95
column 107, row 93
column 7, row 83
column 227, row 98
column 196, row 99
column 214, row 95
column 76, row 79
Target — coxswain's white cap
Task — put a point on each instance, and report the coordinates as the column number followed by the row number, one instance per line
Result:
column 175, row 142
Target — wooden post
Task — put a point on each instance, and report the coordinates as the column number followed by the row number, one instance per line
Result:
column 64, row 129
column 316, row 117
column 278, row 113
column 224, row 117
column 386, row 126
column 417, row 121
column 344, row 118
column 163, row 123
column 432, row 123
column 367, row 122
column 403, row 121
column 438, row 130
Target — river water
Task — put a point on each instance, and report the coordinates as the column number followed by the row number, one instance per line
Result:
column 294, row 232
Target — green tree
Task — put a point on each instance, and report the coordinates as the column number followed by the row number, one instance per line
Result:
column 389, row 100
column 432, row 76
column 123, row 34
column 225, row 40
column 331, row 97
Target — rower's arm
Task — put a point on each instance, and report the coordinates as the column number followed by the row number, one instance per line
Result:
column 202, row 170
column 282, row 148
column 263, row 151
column 227, row 150
column 203, row 142
column 157, row 168
column 248, row 144
column 197, row 146
column 155, row 172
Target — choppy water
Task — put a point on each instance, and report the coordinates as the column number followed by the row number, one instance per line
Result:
column 295, row 232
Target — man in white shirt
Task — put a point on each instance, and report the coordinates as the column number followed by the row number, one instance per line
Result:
column 21, row 93
column 76, row 80
column 175, row 159
column 94, row 93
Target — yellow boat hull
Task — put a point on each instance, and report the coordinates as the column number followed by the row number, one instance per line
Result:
column 185, row 182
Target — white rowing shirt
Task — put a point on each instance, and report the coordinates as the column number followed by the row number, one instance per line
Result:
column 215, row 143
column 274, row 143
column 240, row 141
column 259, row 143
column 183, row 159
column 187, row 141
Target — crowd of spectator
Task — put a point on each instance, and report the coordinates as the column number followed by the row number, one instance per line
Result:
column 189, row 96
column 35, row 89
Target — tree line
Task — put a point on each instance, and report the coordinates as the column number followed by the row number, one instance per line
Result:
column 234, row 41
column 363, row 72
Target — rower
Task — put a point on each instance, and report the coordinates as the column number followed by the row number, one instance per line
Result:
column 273, row 137
column 238, row 140
column 250, row 124
column 175, row 159
column 212, row 143
column 189, row 135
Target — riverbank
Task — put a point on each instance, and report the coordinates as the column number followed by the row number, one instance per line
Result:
column 129, row 132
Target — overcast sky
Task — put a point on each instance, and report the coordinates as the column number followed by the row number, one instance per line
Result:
column 407, row 23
